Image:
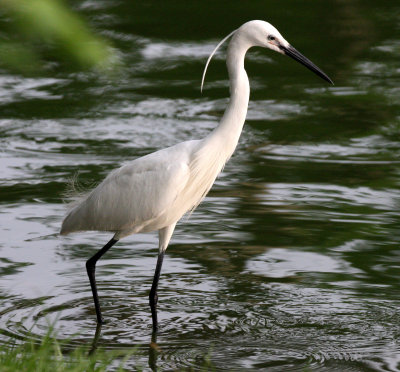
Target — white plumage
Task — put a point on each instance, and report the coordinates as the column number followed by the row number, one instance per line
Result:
column 150, row 192
column 154, row 191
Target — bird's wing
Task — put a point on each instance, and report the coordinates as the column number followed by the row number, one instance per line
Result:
column 134, row 194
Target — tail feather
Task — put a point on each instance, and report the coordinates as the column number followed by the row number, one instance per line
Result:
column 74, row 195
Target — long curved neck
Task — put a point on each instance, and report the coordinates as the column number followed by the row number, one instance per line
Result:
column 230, row 127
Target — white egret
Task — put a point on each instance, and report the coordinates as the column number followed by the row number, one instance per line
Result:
column 153, row 192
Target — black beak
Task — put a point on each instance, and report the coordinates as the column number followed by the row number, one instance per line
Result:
column 296, row 55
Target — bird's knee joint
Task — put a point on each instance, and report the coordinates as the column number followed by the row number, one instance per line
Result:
column 153, row 298
column 90, row 266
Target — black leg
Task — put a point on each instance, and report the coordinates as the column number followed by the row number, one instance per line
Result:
column 153, row 297
column 91, row 268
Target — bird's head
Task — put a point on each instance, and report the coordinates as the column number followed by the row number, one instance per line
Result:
column 263, row 34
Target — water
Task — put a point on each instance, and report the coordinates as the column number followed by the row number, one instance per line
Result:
column 290, row 263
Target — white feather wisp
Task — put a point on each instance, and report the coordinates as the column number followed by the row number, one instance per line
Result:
column 211, row 55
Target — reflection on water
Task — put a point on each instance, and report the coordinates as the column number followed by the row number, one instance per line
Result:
column 290, row 263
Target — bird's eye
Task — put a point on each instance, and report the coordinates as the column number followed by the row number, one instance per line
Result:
column 271, row 37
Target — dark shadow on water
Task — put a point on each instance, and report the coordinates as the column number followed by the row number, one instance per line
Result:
column 95, row 341
column 153, row 350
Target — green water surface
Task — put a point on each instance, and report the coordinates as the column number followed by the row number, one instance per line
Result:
column 291, row 263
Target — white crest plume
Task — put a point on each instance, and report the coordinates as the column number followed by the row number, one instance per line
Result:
column 211, row 55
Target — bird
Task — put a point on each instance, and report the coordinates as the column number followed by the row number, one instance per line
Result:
column 153, row 192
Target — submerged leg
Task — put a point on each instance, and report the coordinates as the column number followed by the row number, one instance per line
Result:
column 91, row 268
column 164, row 238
